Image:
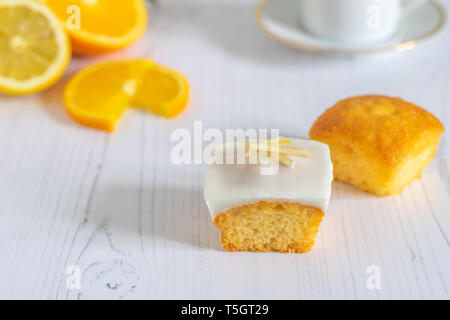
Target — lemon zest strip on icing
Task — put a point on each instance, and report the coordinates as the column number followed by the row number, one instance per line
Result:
column 273, row 148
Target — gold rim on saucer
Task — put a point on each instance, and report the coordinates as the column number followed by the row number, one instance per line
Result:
column 399, row 46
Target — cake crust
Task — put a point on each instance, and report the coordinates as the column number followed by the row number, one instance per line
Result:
column 378, row 143
column 390, row 129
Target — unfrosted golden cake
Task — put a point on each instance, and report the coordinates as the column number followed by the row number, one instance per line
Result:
column 271, row 212
column 377, row 143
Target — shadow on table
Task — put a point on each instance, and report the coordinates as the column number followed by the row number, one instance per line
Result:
column 153, row 215
column 232, row 28
column 349, row 191
column 53, row 104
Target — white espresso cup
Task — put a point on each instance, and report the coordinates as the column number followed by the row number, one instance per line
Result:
column 355, row 21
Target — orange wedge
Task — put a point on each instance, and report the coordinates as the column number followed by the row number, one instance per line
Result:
column 98, row 95
column 98, row 26
column 162, row 91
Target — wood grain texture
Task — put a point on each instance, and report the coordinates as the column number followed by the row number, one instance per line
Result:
column 137, row 225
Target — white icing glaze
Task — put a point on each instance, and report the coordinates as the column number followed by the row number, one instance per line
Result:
column 308, row 182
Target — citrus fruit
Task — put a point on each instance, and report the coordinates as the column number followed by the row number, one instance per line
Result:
column 98, row 26
column 162, row 91
column 34, row 49
column 98, row 94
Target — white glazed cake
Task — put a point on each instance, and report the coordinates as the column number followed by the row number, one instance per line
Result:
column 279, row 212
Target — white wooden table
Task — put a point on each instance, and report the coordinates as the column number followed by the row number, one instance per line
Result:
column 137, row 226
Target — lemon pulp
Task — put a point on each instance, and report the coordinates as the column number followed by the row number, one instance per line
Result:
column 33, row 47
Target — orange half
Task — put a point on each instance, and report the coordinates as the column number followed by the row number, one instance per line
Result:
column 98, row 26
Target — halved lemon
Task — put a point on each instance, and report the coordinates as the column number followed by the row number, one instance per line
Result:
column 98, row 95
column 98, row 26
column 34, row 48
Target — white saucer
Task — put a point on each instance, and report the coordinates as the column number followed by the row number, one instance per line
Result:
column 278, row 19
